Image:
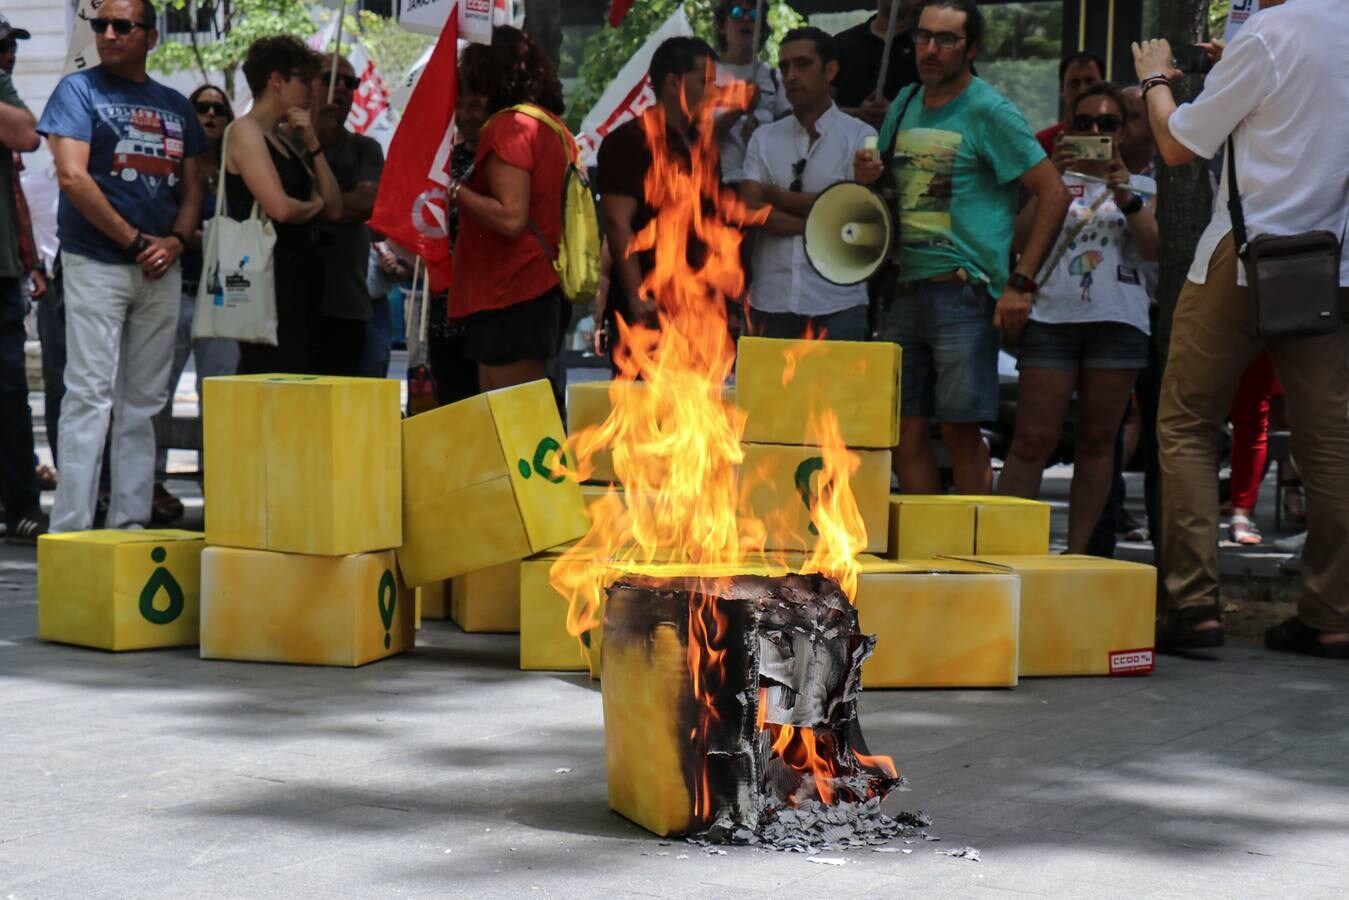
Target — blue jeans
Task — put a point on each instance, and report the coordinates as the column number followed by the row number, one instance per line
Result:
column 18, row 481
column 845, row 325
column 378, row 340
column 950, row 350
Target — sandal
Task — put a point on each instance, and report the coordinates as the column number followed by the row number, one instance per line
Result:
column 1293, row 636
column 165, row 509
column 1243, row 531
column 46, row 477
column 1176, row 628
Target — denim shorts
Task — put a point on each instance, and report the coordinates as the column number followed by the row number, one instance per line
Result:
column 1082, row 345
column 945, row 329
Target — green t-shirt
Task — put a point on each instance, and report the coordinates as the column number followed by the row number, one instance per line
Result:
column 955, row 172
column 10, row 266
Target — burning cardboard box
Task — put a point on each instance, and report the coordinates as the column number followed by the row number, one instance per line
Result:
column 779, row 486
column 730, row 701
column 545, row 642
column 927, row 526
column 1083, row 615
column 781, row 384
column 290, row 608
column 303, row 463
column 119, row 590
column 939, row 623
column 488, row 599
column 483, row 484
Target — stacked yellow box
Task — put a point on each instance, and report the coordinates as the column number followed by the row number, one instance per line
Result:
column 119, row 590
column 922, row 526
column 783, row 386
column 305, row 488
column 545, row 642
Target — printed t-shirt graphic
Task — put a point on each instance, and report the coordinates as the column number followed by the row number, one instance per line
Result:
column 925, row 164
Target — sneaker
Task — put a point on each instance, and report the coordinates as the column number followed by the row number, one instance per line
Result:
column 27, row 528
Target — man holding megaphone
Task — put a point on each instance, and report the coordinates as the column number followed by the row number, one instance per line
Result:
column 958, row 150
column 787, row 165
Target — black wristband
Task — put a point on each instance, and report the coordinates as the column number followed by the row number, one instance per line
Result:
column 138, row 243
column 1134, row 205
column 177, row 236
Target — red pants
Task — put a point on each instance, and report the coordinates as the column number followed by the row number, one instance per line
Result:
column 1250, row 430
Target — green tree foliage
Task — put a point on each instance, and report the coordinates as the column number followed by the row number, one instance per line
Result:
column 235, row 25
column 391, row 46
column 607, row 49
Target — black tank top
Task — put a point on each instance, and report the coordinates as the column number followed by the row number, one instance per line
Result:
column 295, row 181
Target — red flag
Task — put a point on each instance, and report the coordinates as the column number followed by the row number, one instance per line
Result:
column 412, row 206
column 617, row 10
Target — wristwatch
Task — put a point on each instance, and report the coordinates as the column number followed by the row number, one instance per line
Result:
column 1134, row 205
column 1022, row 283
column 137, row 244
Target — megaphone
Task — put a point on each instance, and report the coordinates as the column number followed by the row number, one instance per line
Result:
column 848, row 233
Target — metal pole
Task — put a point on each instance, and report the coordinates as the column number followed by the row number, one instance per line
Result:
column 754, row 49
column 337, row 50
column 885, row 55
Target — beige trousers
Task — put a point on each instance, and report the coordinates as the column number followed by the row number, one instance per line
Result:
column 1212, row 340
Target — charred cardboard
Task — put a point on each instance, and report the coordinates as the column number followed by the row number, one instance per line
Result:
column 778, row 482
column 261, row 606
column 488, row 599
column 303, row 463
column 1083, row 615
column 545, row 642
column 926, row 526
column 939, row 623
column 119, row 590
column 780, row 384
column 481, row 485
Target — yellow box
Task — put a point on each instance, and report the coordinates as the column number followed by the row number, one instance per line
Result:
column 781, row 383
column 263, row 606
column 1083, row 615
column 777, row 482
column 488, row 599
column 435, row 600
column 544, row 641
column 479, row 485
column 119, row 590
column 938, row 623
column 1003, row 526
column 303, row 463
column 924, row 527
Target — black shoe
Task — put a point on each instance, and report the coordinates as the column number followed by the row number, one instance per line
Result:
column 27, row 528
column 1292, row 636
column 1176, row 630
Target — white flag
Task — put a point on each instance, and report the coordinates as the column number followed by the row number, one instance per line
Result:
column 82, row 53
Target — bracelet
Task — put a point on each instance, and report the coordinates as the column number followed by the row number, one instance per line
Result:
column 1151, row 83
column 177, row 236
column 455, row 185
column 1134, row 205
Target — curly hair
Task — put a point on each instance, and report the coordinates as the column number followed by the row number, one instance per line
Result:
column 282, row 53
column 513, row 69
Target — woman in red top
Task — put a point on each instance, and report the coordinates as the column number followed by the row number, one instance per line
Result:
column 510, row 206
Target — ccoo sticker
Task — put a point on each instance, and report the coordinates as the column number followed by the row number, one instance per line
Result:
column 1132, row 662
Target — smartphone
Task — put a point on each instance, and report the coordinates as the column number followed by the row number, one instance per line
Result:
column 1089, row 147
column 1191, row 59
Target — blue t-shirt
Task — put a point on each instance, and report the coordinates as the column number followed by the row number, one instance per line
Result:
column 138, row 135
column 956, row 169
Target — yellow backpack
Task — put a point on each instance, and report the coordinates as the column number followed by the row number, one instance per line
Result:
column 577, row 258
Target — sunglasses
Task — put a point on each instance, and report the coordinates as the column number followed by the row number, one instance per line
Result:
column 122, row 27
column 798, row 170
column 945, row 40
column 743, row 12
column 1106, row 123
column 351, row 81
column 206, row 107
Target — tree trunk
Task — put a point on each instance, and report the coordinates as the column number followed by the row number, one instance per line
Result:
column 1185, row 201
column 543, row 21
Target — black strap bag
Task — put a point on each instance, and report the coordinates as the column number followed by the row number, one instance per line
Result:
column 1294, row 279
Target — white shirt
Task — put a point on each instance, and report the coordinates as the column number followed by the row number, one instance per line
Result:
column 772, row 106
column 1098, row 276
column 1283, row 86
column 784, row 280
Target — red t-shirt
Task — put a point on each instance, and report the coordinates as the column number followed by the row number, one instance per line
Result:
column 492, row 271
column 1046, row 137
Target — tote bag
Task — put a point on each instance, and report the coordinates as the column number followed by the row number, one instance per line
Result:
column 236, row 299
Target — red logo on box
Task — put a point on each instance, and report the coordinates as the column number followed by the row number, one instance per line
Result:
column 1132, row 662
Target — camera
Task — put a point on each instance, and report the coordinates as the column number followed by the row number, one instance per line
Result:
column 1191, row 59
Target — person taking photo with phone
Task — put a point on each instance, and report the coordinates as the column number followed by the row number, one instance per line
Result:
column 1088, row 330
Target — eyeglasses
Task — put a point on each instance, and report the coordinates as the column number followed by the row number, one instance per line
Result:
column 206, row 107
column 743, row 12
column 798, row 169
column 1106, row 123
column 943, row 39
column 121, row 27
column 351, row 81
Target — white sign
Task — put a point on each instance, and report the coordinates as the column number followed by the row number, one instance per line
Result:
column 476, row 17
column 1240, row 12
column 82, row 53
column 629, row 94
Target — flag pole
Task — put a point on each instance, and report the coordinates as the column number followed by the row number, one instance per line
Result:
column 337, row 51
column 758, row 30
column 885, row 55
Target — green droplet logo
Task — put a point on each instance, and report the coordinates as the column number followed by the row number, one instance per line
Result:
column 546, row 446
column 804, row 472
column 388, row 599
column 161, row 580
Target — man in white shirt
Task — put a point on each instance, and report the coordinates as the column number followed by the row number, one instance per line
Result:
column 788, row 163
column 1279, row 91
